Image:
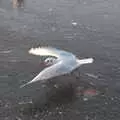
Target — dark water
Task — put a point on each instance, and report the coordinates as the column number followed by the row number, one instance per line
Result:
column 45, row 22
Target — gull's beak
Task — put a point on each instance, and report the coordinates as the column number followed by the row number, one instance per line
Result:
column 45, row 64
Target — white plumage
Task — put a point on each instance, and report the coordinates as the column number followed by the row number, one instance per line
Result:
column 65, row 63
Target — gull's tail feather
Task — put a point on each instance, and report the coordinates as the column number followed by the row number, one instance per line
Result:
column 86, row 61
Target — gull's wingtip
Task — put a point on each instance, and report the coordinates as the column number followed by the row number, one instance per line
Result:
column 31, row 50
column 43, row 51
column 25, row 84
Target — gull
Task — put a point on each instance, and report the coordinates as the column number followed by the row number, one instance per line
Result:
column 60, row 63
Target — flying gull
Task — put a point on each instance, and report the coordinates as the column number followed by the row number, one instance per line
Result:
column 61, row 62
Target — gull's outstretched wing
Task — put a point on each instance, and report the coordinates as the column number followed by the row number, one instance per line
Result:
column 50, row 72
column 57, row 69
column 49, row 51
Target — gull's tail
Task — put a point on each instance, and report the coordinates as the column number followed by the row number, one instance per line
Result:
column 85, row 61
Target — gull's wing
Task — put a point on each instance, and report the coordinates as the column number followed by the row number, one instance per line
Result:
column 55, row 70
column 50, row 72
column 49, row 51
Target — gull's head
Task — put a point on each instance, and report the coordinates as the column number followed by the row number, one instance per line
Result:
column 50, row 61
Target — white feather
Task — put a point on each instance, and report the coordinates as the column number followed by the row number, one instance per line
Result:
column 66, row 63
column 43, row 51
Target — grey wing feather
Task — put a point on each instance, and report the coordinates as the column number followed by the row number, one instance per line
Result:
column 55, row 70
column 49, row 72
column 49, row 51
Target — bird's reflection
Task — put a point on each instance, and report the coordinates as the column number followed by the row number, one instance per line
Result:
column 17, row 3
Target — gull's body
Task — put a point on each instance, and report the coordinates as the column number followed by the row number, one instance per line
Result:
column 65, row 62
